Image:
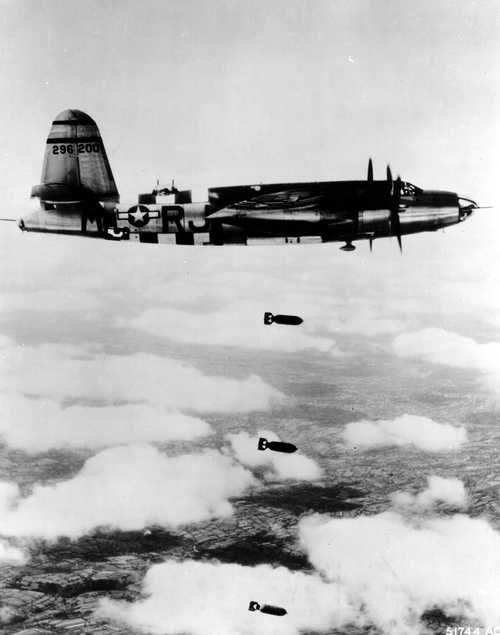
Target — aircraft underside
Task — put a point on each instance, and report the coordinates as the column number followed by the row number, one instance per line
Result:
column 188, row 224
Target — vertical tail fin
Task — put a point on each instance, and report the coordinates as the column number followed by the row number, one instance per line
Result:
column 78, row 193
column 75, row 158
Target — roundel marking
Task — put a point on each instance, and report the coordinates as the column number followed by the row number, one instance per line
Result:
column 138, row 215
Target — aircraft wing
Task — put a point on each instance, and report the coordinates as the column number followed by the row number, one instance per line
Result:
column 271, row 196
column 227, row 214
column 266, row 203
column 293, row 205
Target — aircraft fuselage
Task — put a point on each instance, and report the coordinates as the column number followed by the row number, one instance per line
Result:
column 321, row 212
column 78, row 195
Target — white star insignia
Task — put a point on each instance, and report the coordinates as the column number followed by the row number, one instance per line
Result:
column 138, row 217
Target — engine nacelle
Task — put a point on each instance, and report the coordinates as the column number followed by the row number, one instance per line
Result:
column 374, row 221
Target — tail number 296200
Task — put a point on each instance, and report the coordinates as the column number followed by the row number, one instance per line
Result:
column 77, row 148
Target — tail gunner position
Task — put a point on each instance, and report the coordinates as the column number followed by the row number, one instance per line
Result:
column 78, row 195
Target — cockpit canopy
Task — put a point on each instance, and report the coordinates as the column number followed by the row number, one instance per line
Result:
column 408, row 189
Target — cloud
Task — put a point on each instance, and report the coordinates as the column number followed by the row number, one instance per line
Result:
column 237, row 324
column 443, row 347
column 433, row 279
column 68, row 372
column 420, row 432
column 385, row 570
column 126, row 488
column 394, row 569
column 9, row 493
column 5, row 343
column 304, row 278
column 494, row 320
column 10, row 554
column 450, row 491
column 71, row 299
column 276, row 466
column 202, row 597
column 325, row 308
column 364, row 321
column 35, row 425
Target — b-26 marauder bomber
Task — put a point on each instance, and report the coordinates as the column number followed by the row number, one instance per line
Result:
column 78, row 195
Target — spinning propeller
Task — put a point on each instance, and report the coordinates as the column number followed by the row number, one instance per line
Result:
column 395, row 200
column 395, row 187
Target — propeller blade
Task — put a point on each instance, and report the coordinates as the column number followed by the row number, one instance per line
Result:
column 400, row 243
column 371, row 245
column 396, row 228
column 370, row 171
column 389, row 178
column 397, row 190
column 395, row 222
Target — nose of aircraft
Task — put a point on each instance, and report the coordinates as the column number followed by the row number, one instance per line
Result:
column 466, row 207
column 437, row 198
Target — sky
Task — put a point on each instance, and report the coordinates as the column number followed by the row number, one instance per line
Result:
column 221, row 92
column 135, row 372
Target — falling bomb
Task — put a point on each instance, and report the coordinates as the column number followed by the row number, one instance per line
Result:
column 267, row 608
column 291, row 320
column 276, row 446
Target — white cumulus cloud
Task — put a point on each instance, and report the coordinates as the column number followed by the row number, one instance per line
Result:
column 67, row 372
column 276, row 466
column 10, row 554
column 384, row 570
column 395, row 568
column 237, row 324
column 127, row 488
column 201, row 597
column 450, row 491
column 364, row 321
column 451, row 349
column 36, row 425
column 71, row 299
column 420, row 432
